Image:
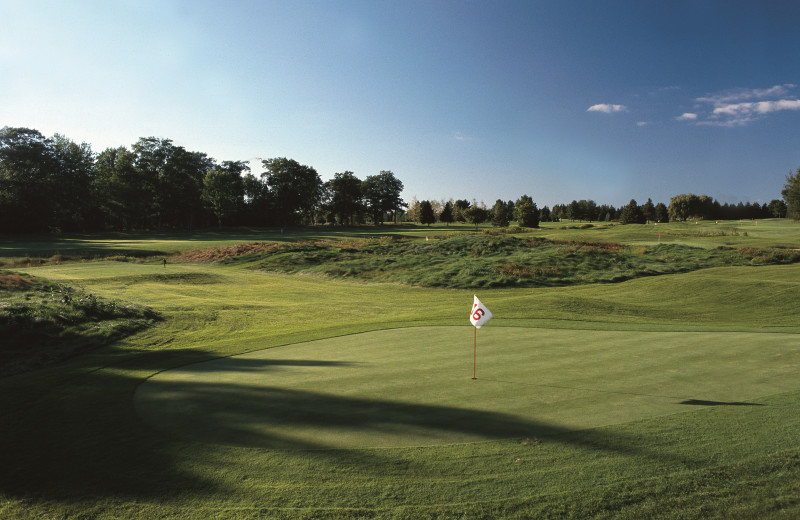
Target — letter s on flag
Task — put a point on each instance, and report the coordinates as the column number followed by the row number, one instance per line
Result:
column 479, row 314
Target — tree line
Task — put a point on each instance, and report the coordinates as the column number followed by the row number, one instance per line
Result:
column 52, row 184
column 55, row 184
column 525, row 213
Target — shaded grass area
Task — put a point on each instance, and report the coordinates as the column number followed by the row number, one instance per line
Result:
column 413, row 386
column 42, row 322
column 487, row 260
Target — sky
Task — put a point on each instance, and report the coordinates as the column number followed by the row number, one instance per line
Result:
column 560, row 100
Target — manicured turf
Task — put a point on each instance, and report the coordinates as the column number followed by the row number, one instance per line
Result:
column 414, row 387
column 660, row 397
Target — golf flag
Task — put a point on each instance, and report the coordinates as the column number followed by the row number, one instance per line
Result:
column 479, row 314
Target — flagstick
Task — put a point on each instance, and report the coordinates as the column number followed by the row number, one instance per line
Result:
column 474, row 352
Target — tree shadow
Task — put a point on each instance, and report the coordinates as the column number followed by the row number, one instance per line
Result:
column 245, row 364
column 703, row 402
column 71, row 433
column 270, row 417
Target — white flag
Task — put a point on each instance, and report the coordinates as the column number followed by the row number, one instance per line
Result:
column 479, row 314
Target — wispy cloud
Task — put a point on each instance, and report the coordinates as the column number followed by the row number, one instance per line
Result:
column 607, row 108
column 687, row 116
column 740, row 107
column 737, row 95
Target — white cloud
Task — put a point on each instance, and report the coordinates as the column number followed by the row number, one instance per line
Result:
column 687, row 116
column 765, row 107
column 607, row 108
column 742, row 106
column 735, row 95
column 642, row 123
column 737, row 114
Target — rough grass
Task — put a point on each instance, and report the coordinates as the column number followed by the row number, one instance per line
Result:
column 487, row 260
column 43, row 323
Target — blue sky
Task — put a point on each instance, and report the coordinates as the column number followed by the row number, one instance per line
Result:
column 561, row 100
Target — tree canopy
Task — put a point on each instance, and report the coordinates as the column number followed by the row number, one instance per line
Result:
column 791, row 194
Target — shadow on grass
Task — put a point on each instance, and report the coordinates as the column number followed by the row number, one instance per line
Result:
column 337, row 426
column 100, row 245
column 70, row 434
column 70, row 431
column 702, row 402
column 244, row 364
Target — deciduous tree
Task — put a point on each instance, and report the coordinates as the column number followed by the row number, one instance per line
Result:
column 791, row 194
column 345, row 193
column 295, row 189
column 475, row 215
column 382, row 195
column 223, row 189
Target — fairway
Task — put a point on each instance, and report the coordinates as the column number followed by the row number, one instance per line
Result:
column 414, row 387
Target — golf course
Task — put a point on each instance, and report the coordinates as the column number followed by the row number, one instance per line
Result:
column 628, row 371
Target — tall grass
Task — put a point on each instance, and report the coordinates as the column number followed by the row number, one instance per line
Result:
column 483, row 261
column 43, row 323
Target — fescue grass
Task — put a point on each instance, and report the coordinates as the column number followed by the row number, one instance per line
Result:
column 43, row 323
column 720, row 345
column 485, row 261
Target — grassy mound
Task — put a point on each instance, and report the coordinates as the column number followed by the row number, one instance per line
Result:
column 43, row 322
column 480, row 261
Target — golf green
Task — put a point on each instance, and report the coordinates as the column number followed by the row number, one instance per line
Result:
column 414, row 386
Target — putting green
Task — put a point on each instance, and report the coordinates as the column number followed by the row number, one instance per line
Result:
column 414, row 386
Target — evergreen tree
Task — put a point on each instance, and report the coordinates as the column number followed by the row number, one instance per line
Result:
column 500, row 214
column 648, row 210
column 427, row 215
column 661, row 213
column 632, row 214
column 544, row 214
column 446, row 215
column 777, row 208
column 526, row 212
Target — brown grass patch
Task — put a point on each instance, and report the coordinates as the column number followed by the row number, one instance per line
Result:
column 15, row 281
column 221, row 253
column 516, row 270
